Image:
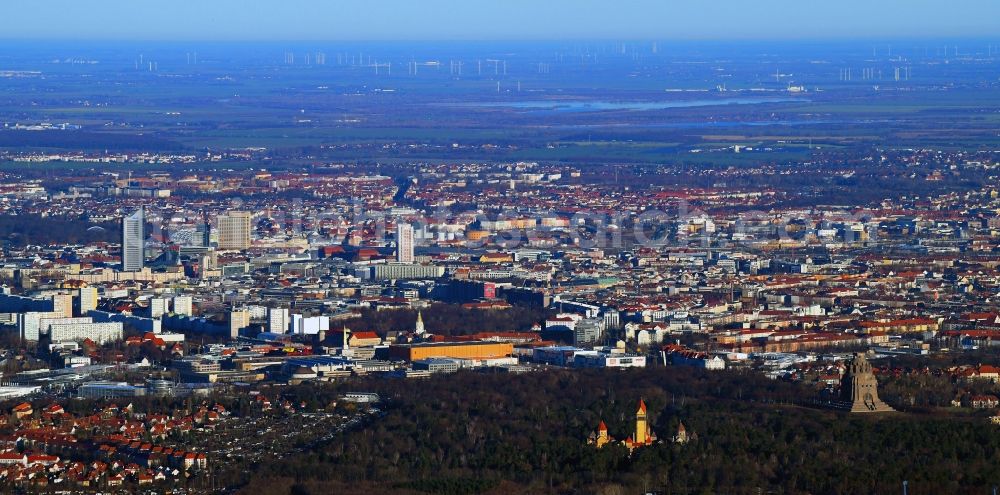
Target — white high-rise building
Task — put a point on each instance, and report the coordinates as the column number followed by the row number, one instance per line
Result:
column 158, row 306
column 182, row 305
column 132, row 241
column 234, row 230
column 88, row 299
column 277, row 320
column 404, row 243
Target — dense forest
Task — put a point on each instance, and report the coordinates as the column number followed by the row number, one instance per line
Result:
column 86, row 140
column 21, row 230
column 493, row 433
column 449, row 319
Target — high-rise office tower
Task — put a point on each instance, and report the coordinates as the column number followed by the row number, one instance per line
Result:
column 404, row 243
column 132, row 241
column 204, row 231
column 234, row 230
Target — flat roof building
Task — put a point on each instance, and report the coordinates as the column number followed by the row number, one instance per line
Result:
column 459, row 350
column 234, row 230
column 437, row 365
column 404, row 243
column 100, row 333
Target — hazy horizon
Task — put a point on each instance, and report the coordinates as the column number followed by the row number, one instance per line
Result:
column 515, row 20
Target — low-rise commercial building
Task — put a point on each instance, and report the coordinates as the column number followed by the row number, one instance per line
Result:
column 460, row 350
column 437, row 365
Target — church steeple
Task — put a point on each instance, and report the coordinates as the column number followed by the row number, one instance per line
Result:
column 418, row 328
column 682, row 435
column 600, row 438
column 602, row 434
column 346, row 350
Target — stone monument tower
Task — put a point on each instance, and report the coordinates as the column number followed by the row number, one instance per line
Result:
column 858, row 388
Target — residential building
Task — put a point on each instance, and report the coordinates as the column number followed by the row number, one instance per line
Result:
column 158, row 306
column 87, row 299
column 400, row 271
column 277, row 320
column 404, row 243
column 182, row 305
column 99, row 333
column 238, row 320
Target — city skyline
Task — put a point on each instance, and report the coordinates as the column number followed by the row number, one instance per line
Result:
column 239, row 254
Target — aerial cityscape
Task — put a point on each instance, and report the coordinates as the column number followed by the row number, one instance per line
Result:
column 431, row 251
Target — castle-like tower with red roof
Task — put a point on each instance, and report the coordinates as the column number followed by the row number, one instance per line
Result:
column 642, row 437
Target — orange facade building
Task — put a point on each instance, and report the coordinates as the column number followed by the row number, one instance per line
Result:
column 458, row 350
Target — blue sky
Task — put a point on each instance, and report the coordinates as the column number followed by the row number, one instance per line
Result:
column 496, row 19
